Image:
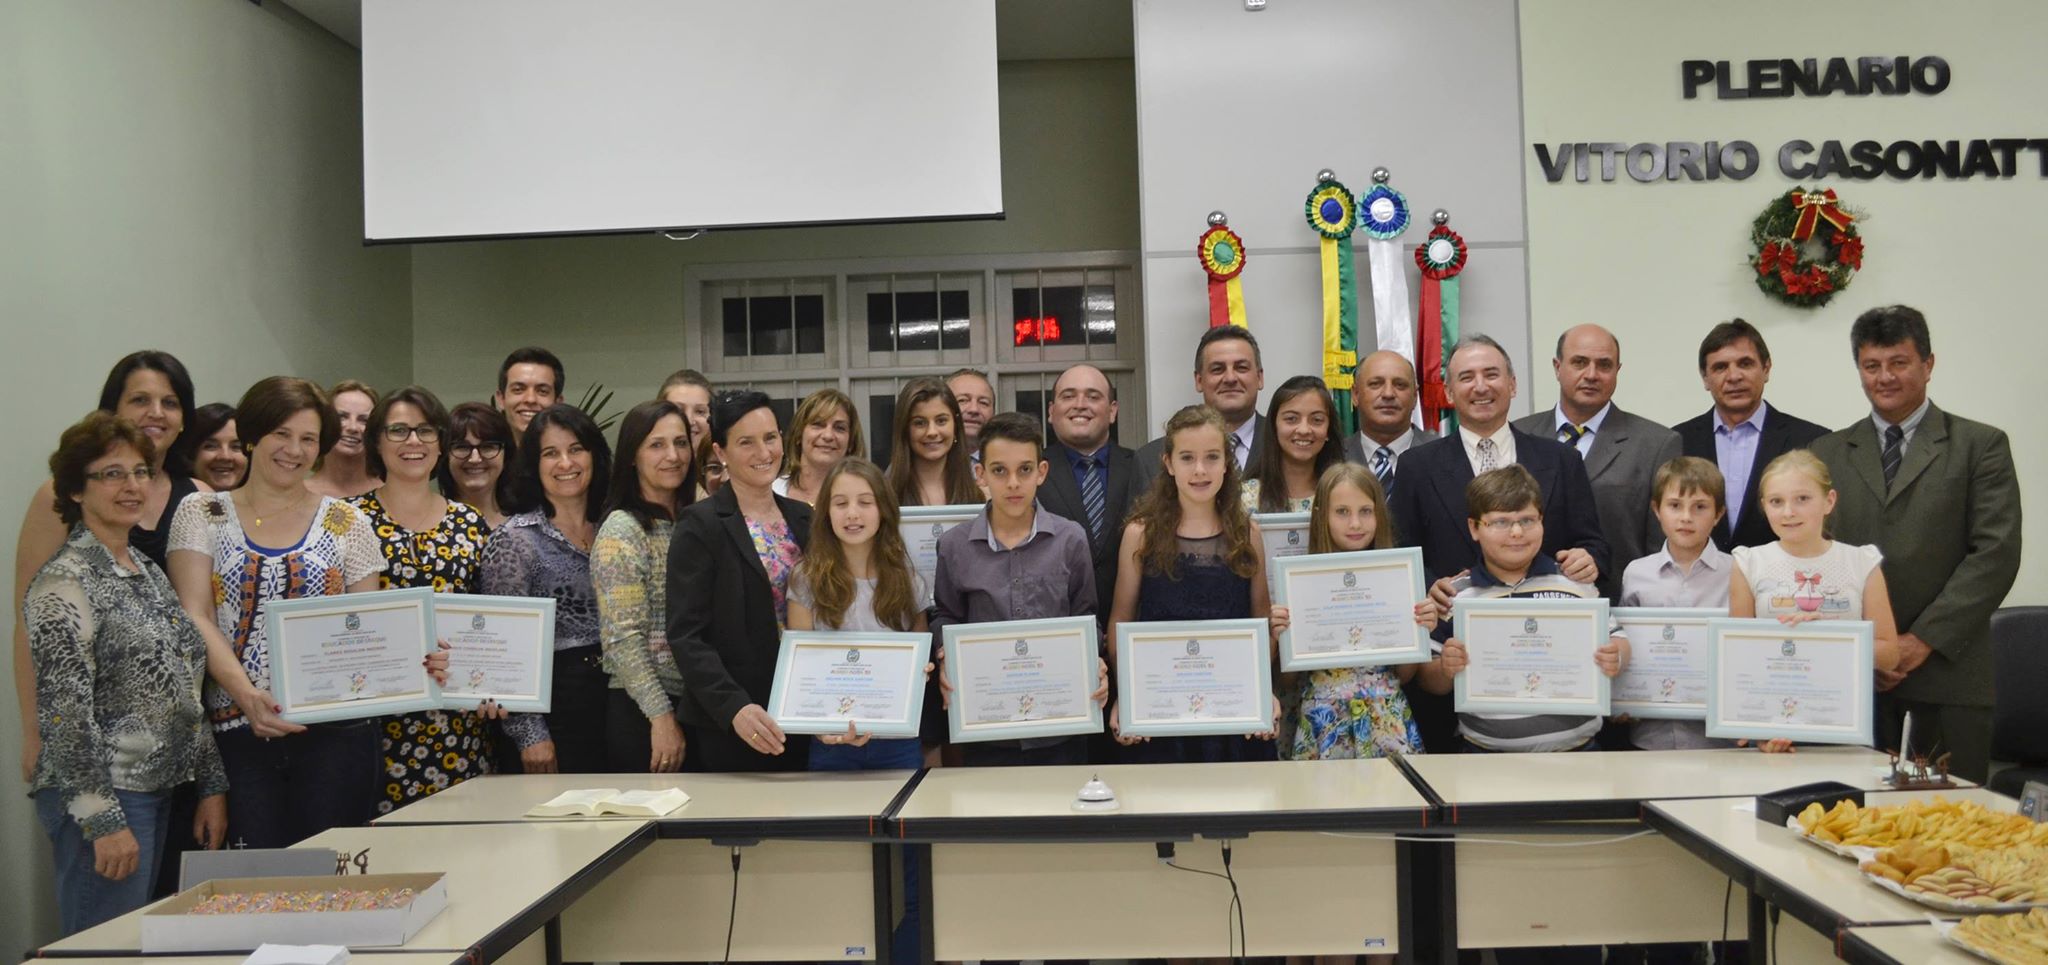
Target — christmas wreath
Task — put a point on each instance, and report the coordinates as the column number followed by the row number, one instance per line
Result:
column 1805, row 247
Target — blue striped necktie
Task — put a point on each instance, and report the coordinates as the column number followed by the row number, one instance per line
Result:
column 1383, row 467
column 1093, row 498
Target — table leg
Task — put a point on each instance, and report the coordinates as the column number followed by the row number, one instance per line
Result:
column 927, row 921
column 885, row 904
column 551, row 939
column 1759, row 936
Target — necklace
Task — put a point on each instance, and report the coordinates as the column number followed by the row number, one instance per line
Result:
column 294, row 504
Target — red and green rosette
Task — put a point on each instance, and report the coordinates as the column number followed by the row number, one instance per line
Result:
column 1442, row 258
column 1222, row 255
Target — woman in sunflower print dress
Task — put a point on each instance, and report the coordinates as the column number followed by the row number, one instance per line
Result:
column 427, row 541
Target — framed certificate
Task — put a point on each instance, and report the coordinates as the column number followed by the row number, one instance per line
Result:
column 1666, row 676
column 502, row 649
column 825, row 680
column 1285, row 534
column 1810, row 682
column 922, row 527
column 352, row 655
column 1022, row 678
column 1351, row 609
column 1531, row 656
column 1188, row 678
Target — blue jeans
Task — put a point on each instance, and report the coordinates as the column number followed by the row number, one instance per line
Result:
column 85, row 899
column 884, row 754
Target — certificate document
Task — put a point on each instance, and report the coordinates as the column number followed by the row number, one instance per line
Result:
column 826, row 680
column 1666, row 676
column 1531, row 656
column 1285, row 534
column 1810, row 682
column 352, row 655
column 923, row 525
column 1194, row 677
column 1351, row 609
column 502, row 648
column 1022, row 678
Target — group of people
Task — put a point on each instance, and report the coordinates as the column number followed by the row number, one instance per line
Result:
column 679, row 549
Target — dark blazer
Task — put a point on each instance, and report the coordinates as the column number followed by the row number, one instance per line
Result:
column 1148, row 458
column 1429, row 504
column 1950, row 533
column 1627, row 452
column 1355, row 451
column 1782, row 433
column 721, row 610
column 1061, row 495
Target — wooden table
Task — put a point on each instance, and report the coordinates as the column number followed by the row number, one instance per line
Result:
column 1018, row 874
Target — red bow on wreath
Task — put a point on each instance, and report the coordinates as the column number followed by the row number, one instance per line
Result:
column 1814, row 207
column 1776, row 257
column 1848, row 250
column 1813, row 281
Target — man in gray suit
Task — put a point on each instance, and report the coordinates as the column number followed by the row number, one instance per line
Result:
column 1229, row 374
column 1940, row 497
column 1622, row 451
column 1385, row 393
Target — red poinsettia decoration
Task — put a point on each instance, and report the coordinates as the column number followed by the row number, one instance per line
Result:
column 1848, row 250
column 1775, row 256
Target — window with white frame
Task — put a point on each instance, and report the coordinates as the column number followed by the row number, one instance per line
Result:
column 868, row 327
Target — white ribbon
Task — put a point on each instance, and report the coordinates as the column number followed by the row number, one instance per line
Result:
column 1392, row 319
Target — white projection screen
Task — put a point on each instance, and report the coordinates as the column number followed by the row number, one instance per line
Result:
column 495, row 118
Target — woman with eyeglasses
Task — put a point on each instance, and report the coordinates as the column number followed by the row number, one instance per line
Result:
column 474, row 473
column 431, row 541
column 711, row 475
column 117, row 670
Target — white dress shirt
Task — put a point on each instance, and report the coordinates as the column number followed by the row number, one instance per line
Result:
column 1585, row 442
column 1503, row 446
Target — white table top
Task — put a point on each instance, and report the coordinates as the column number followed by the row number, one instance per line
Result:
column 383, row 958
column 758, row 799
column 495, row 874
column 1467, row 780
column 1917, row 944
column 1270, row 789
column 1825, row 879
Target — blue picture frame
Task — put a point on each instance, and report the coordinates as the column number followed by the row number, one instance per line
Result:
column 922, row 526
column 902, row 724
column 1859, row 691
column 283, row 628
column 1630, row 617
column 1593, row 611
column 1408, row 558
column 1283, row 535
column 1080, row 632
column 455, row 611
column 1249, row 642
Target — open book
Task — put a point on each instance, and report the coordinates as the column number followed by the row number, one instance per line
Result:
column 591, row 802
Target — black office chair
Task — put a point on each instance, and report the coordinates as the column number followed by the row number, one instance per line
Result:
column 2019, row 715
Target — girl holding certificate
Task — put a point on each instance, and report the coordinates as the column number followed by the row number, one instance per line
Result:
column 928, row 466
column 1298, row 446
column 1190, row 552
column 1804, row 575
column 1352, row 712
column 654, row 478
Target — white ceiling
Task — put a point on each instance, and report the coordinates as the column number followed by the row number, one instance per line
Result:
column 1025, row 29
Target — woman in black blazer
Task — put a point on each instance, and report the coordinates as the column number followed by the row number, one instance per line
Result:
column 728, row 567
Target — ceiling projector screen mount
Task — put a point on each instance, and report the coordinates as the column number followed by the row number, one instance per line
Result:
column 495, row 119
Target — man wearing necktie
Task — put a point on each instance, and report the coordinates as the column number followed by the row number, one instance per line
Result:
column 1622, row 450
column 1385, row 392
column 1229, row 374
column 1939, row 495
column 1088, row 476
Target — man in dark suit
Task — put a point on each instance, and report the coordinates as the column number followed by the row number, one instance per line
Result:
column 1428, row 503
column 1229, row 374
column 1622, row 450
column 1385, row 393
column 1940, row 497
column 1088, row 479
column 1741, row 434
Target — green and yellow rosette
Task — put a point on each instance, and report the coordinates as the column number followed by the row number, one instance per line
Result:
column 1222, row 254
column 1333, row 213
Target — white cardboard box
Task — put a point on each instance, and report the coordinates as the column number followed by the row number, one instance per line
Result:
column 170, row 928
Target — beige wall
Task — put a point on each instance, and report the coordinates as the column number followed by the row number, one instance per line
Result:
column 1659, row 263
column 184, row 175
column 613, row 307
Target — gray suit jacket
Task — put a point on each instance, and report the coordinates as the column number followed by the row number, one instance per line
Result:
column 1147, row 466
column 1950, row 533
column 1624, row 459
column 1355, row 451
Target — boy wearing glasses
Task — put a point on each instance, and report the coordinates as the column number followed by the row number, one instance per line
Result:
column 1504, row 509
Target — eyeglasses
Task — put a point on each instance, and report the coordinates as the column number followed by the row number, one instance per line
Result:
column 118, row 475
column 1519, row 522
column 463, row 450
column 397, row 431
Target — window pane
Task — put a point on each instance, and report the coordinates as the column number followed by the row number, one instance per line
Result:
column 772, row 325
column 735, row 327
column 917, row 321
column 785, row 412
column 1051, row 315
column 810, row 324
column 954, row 324
column 881, row 422
column 1099, row 306
column 881, row 323
column 1032, row 402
